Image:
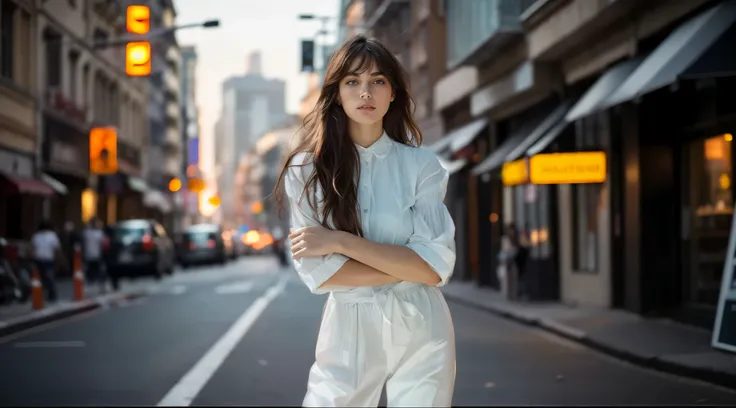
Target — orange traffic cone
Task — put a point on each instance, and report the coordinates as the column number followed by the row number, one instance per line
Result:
column 36, row 290
column 78, row 276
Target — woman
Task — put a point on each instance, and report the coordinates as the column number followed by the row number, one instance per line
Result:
column 369, row 226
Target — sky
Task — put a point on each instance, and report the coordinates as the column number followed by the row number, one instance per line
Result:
column 271, row 26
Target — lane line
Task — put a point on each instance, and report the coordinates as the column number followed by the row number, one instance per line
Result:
column 50, row 344
column 184, row 391
column 234, row 288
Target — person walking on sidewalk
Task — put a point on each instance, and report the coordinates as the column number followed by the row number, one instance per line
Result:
column 93, row 239
column 45, row 246
column 369, row 226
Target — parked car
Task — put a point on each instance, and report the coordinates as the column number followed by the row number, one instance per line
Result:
column 138, row 248
column 204, row 244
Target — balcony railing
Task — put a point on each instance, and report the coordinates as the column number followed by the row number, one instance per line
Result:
column 476, row 27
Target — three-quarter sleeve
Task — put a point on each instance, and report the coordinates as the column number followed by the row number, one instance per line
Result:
column 313, row 271
column 433, row 238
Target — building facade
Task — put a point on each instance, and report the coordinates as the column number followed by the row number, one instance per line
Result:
column 82, row 84
column 22, row 192
column 601, row 132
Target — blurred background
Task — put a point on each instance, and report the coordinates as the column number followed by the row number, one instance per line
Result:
column 595, row 137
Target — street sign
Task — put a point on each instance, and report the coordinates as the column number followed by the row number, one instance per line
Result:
column 724, row 331
column 103, row 150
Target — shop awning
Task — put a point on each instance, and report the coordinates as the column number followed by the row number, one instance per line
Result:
column 497, row 158
column 541, row 130
column 680, row 52
column 603, row 88
column 57, row 185
column 454, row 166
column 459, row 138
column 137, row 184
column 548, row 138
column 22, row 185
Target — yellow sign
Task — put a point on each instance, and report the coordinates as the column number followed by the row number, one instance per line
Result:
column 138, row 58
column 103, row 150
column 515, row 172
column 568, row 168
column 138, row 19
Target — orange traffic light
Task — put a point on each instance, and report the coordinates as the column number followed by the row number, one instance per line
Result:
column 174, row 185
column 138, row 19
column 138, row 58
column 103, row 150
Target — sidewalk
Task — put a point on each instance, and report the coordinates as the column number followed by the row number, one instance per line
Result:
column 655, row 343
column 18, row 317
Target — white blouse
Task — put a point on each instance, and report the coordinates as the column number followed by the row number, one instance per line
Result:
column 400, row 197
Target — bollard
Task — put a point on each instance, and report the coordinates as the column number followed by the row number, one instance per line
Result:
column 36, row 290
column 78, row 276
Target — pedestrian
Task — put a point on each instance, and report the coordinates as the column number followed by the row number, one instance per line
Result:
column 93, row 239
column 370, row 228
column 45, row 247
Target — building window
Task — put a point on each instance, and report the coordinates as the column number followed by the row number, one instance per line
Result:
column 711, row 199
column 73, row 64
column 586, row 200
column 53, row 60
column 7, row 29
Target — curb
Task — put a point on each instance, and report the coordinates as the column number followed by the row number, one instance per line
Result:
column 653, row 362
column 39, row 318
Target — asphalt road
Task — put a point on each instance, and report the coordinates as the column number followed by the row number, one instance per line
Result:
column 244, row 334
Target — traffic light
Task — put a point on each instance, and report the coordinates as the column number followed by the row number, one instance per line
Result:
column 103, row 150
column 138, row 53
column 307, row 55
column 138, row 58
column 138, row 19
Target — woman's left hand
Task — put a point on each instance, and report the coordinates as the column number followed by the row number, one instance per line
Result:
column 313, row 241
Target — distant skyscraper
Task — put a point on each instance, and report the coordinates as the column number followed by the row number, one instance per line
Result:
column 252, row 105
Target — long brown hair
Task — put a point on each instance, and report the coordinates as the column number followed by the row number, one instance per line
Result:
column 335, row 157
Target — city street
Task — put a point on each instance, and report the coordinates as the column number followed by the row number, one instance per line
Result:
column 244, row 334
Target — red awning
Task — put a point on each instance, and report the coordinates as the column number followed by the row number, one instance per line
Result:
column 21, row 185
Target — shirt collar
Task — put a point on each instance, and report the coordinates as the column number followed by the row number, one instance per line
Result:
column 380, row 148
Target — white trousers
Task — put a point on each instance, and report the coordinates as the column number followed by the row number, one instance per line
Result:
column 401, row 337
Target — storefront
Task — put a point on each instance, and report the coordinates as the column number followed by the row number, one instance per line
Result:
column 515, row 203
column 669, row 118
column 458, row 151
column 21, row 196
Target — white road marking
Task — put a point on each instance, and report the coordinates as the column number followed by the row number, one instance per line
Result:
column 234, row 288
column 50, row 344
column 184, row 392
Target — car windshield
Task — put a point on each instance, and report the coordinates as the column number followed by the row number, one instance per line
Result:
column 126, row 234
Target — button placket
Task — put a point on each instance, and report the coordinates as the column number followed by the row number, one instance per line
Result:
column 365, row 186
